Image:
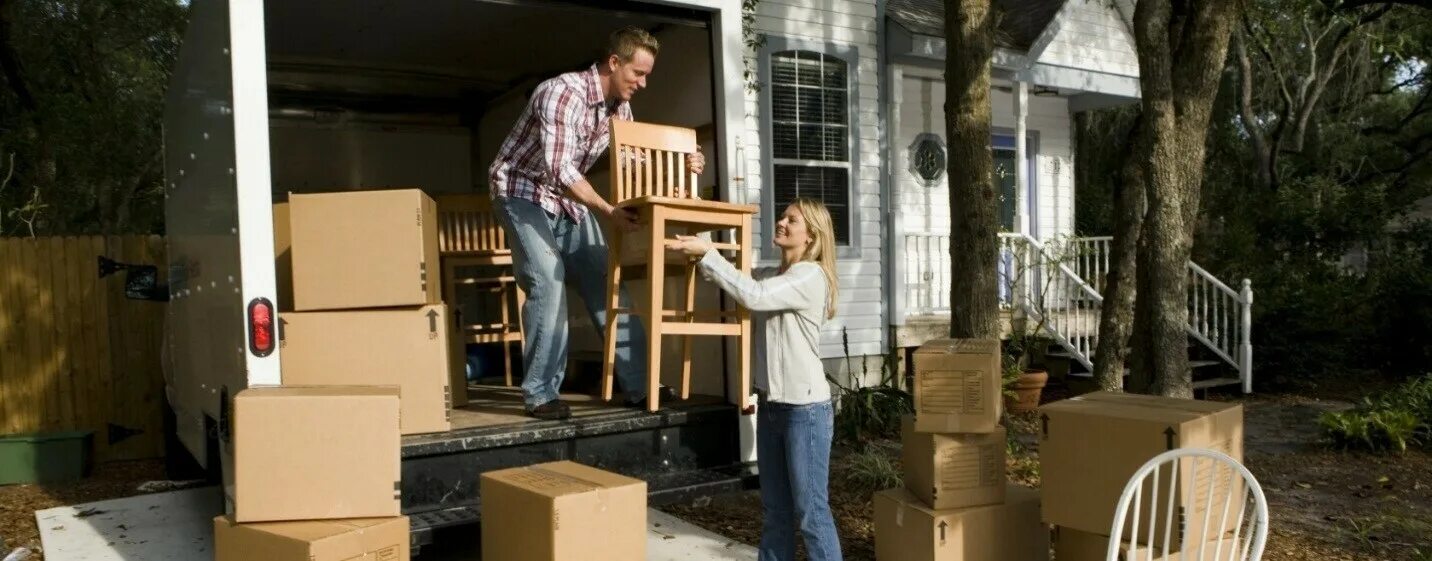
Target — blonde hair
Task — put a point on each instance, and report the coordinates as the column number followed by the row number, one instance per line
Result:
column 822, row 248
column 624, row 43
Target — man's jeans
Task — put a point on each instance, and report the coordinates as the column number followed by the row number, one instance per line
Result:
column 793, row 454
column 547, row 252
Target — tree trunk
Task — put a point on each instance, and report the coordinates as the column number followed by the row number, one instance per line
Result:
column 1117, row 316
column 1140, row 360
column 974, row 241
column 1182, row 49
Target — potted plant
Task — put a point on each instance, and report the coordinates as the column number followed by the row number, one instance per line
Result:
column 1024, row 381
column 1025, row 372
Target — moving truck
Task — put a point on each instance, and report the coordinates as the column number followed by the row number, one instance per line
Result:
column 303, row 96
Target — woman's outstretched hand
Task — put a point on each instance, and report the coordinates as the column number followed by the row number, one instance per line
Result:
column 690, row 245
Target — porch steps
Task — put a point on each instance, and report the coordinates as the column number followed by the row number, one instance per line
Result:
column 1216, row 382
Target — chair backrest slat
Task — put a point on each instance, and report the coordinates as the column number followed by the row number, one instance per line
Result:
column 466, row 225
column 650, row 160
column 1209, row 473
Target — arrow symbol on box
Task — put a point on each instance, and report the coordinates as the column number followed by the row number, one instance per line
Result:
column 432, row 321
column 1168, row 436
column 1045, row 419
column 281, row 324
column 943, row 525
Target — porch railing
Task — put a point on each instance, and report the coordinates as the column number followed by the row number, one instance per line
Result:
column 1063, row 280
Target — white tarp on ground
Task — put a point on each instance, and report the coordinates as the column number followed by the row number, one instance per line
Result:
column 177, row 526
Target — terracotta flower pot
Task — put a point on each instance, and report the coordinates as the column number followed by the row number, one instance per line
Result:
column 1027, row 390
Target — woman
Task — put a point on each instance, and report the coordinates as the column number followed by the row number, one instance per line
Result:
column 795, row 421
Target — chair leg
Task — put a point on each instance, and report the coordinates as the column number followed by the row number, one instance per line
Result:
column 743, row 342
column 686, row 339
column 506, row 321
column 656, row 274
column 609, row 343
column 507, row 361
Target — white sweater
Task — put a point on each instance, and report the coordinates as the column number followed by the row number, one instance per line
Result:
column 787, row 312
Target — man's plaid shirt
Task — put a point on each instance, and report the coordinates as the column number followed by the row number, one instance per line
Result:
column 565, row 128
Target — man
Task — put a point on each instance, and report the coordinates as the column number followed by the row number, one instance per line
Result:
column 547, row 206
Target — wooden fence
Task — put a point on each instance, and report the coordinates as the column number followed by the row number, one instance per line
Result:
column 74, row 352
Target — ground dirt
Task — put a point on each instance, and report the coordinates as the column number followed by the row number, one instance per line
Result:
column 1324, row 504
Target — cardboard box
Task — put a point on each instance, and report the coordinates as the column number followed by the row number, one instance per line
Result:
column 953, row 470
column 364, row 249
column 907, row 530
column 957, row 386
column 562, row 511
column 1092, row 444
column 1073, row 545
column 283, row 257
column 408, row 348
column 359, row 539
column 316, row 453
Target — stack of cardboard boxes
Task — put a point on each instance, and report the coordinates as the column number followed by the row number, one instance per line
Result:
column 315, row 471
column 314, row 476
column 1091, row 445
column 956, row 504
column 358, row 277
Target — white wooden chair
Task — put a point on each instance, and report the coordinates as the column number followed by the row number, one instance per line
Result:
column 1239, row 490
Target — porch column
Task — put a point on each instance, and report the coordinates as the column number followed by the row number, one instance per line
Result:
column 895, row 242
column 1021, row 159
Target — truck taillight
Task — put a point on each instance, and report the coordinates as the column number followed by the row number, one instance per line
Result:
column 261, row 325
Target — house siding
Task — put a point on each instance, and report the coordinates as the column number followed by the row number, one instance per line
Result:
column 926, row 209
column 854, row 24
column 1093, row 37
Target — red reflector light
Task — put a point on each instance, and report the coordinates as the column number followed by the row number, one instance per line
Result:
column 261, row 336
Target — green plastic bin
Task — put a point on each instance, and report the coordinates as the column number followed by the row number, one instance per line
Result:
column 45, row 457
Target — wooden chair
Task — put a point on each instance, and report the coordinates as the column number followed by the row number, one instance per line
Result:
column 649, row 175
column 1216, row 487
column 470, row 237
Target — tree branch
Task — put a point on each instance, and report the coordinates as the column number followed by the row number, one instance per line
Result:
column 1245, row 111
column 1267, row 53
column 1320, row 76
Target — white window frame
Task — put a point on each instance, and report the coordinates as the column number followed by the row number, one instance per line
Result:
column 850, row 54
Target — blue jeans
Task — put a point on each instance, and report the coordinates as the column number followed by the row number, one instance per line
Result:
column 548, row 251
column 793, row 454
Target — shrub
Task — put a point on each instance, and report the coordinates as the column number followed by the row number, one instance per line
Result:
column 1390, row 421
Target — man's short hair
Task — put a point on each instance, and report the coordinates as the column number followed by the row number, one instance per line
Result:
column 624, row 43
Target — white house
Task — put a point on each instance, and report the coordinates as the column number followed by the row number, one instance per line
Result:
column 873, row 71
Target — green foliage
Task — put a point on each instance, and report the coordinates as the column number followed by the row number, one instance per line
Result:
column 871, row 469
column 1401, row 286
column 1342, row 191
column 80, row 113
column 869, row 412
column 1390, row 421
column 753, row 42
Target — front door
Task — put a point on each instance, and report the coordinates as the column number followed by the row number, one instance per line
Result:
column 1004, row 181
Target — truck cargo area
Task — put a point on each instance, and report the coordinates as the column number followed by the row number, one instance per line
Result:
column 381, row 94
column 353, row 95
column 685, row 450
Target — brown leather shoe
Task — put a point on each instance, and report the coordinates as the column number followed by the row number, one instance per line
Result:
column 553, row 410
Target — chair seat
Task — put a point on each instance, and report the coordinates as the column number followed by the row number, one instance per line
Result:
column 689, row 204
